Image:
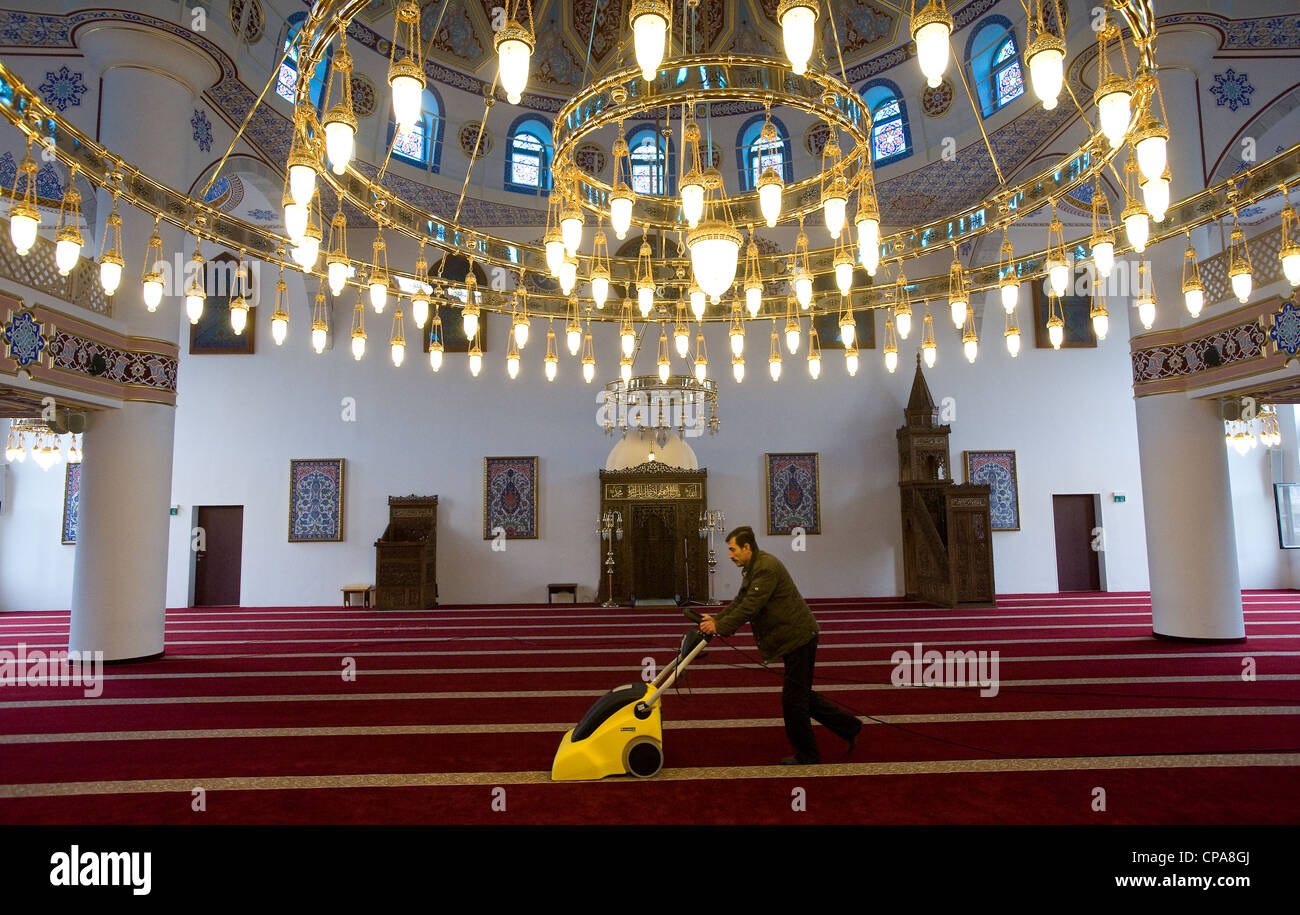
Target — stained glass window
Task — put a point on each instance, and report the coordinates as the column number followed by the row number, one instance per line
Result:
column 764, row 155
column 887, row 136
column 410, row 144
column 1008, row 79
column 526, row 160
column 419, row 145
column 286, row 82
column 647, row 168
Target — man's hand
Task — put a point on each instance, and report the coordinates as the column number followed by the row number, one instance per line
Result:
column 707, row 626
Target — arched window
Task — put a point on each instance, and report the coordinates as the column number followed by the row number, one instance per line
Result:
column 286, row 83
column 651, row 165
column 994, row 58
column 754, row 154
column 891, row 138
column 528, row 156
column 422, row 144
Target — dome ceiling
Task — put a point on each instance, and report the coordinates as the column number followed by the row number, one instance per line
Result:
column 565, row 28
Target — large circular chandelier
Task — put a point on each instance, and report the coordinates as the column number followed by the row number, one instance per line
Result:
column 571, row 276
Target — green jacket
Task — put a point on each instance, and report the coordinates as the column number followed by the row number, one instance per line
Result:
column 770, row 602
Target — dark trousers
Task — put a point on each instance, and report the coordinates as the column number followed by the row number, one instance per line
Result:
column 801, row 705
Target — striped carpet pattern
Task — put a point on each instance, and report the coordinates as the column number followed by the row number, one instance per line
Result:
column 454, row 716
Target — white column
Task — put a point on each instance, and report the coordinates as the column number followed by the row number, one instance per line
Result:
column 151, row 83
column 1191, row 542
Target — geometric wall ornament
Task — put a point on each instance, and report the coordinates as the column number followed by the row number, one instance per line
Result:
column 255, row 22
column 510, row 497
column 71, row 502
column 468, row 134
column 936, row 102
column 62, row 89
column 997, row 470
column 591, row 158
column 363, row 95
column 793, row 493
column 1232, row 89
column 1286, row 328
column 815, row 137
column 23, row 336
column 202, row 130
column 316, row 500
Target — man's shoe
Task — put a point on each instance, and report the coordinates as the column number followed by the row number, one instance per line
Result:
column 795, row 761
column 853, row 741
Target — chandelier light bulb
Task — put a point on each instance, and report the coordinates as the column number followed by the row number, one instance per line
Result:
column 737, row 335
column 1146, row 306
column 340, row 140
column 573, row 337
column 551, row 366
column 1101, row 325
column 851, row 361
column 1242, row 284
column 378, row 287
column 628, row 339
column 664, row 371
column 815, row 365
column 475, row 363
column 798, row 19
column 692, row 194
column 645, row 299
column 238, row 316
column 843, row 275
column 620, row 212
column 1013, row 342
column 1010, row 294
column 305, row 253
column 931, row 29
column 1290, row 257
column 792, row 339
column 338, row 276
column 469, row 323
column 358, row 346
column 649, row 20
column 1046, row 56
column 774, row 367
column 398, row 353
column 891, row 360
column 1058, row 275
column 23, row 222
column 738, row 369
column 1055, row 334
column 318, row 339
column 903, row 321
column 698, row 300
column 625, row 370
column 1137, row 225
column 1103, row 257
column 521, row 333
column 420, row 308
column 869, row 244
column 554, row 251
column 407, row 85
column 295, row 221
column 600, row 287
column 512, row 365
column 1151, row 144
column 568, row 274
column 67, row 251
column 715, row 253
column 848, row 332
column 514, row 53
column 110, row 275
column 152, row 291
column 1194, row 299
column 803, row 288
column 754, row 298
column 770, row 187
column 1155, row 194
column 435, row 355
column 833, row 207
column 682, row 340
column 571, row 231
column 929, row 352
column 1114, row 107
column 958, row 308
column 194, row 306
column 588, row 370
column 701, row 371
column 302, row 178
column 971, row 348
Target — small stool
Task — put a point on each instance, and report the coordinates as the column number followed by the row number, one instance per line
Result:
column 562, row 588
column 361, row 592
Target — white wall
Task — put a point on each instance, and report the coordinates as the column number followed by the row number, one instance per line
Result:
column 35, row 566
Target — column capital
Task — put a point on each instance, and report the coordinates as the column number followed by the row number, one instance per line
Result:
column 134, row 45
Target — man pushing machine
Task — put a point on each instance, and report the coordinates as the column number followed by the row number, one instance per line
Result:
column 784, row 628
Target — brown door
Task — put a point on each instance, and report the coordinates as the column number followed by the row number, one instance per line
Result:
column 217, row 565
column 1077, row 568
column 655, row 552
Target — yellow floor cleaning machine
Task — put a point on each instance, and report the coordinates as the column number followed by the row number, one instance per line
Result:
column 622, row 732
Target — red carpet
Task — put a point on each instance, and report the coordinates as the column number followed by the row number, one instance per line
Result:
column 446, row 706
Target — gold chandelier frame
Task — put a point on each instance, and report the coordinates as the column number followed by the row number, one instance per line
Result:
column 102, row 167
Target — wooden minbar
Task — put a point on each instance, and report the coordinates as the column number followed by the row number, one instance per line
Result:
column 947, row 529
column 405, row 556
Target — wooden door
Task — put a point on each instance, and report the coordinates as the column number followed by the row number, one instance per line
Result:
column 217, row 566
column 656, row 554
column 1077, row 568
